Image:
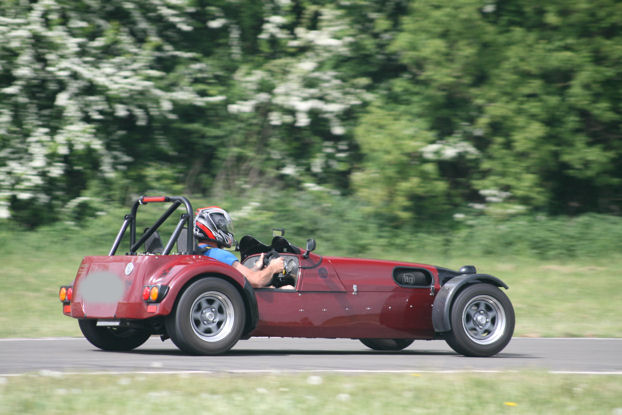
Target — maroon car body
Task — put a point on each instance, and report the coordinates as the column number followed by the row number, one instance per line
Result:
column 205, row 306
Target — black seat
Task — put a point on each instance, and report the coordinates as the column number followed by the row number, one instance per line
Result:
column 182, row 243
column 153, row 244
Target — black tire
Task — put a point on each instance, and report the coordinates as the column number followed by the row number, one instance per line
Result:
column 387, row 344
column 208, row 319
column 482, row 321
column 113, row 338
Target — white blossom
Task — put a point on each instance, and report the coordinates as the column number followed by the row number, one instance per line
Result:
column 217, row 23
column 494, row 195
column 448, row 150
column 307, row 66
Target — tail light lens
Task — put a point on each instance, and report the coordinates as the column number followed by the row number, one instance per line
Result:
column 154, row 293
column 65, row 295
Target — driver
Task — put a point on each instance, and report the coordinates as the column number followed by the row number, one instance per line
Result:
column 214, row 230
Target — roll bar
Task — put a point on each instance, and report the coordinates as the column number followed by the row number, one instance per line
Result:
column 186, row 220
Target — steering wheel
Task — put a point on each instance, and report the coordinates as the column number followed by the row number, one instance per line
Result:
column 269, row 256
column 282, row 278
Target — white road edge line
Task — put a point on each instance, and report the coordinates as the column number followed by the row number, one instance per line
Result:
column 59, row 374
column 23, row 339
column 39, row 339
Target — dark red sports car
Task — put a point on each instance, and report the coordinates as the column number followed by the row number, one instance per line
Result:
column 206, row 306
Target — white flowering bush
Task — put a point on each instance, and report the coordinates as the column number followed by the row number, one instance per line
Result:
column 299, row 103
column 77, row 80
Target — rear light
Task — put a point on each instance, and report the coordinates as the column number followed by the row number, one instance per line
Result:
column 154, row 293
column 65, row 294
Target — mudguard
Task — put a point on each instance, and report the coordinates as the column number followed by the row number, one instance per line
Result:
column 252, row 311
column 441, row 309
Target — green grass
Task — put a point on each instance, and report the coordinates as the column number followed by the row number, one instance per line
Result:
column 551, row 299
column 553, row 295
column 464, row 393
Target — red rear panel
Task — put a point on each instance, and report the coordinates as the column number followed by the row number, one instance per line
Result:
column 105, row 283
column 111, row 287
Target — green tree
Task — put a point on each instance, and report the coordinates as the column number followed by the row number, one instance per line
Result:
column 518, row 104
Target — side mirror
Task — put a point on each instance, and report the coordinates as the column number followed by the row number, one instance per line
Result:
column 310, row 247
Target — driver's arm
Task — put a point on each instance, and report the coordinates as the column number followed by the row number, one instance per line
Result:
column 260, row 278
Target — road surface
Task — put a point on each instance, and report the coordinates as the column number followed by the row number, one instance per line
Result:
column 76, row 355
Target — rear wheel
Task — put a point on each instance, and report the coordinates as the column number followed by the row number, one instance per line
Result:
column 387, row 344
column 208, row 319
column 113, row 338
column 482, row 321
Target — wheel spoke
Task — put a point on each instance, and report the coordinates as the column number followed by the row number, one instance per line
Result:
column 472, row 328
column 211, row 328
column 221, row 316
column 469, row 323
column 196, row 315
column 492, row 316
column 201, row 326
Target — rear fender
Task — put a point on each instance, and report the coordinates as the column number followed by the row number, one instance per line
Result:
column 441, row 310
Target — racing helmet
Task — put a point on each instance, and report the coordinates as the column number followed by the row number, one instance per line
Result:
column 214, row 224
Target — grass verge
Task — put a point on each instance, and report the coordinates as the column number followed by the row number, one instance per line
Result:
column 551, row 299
column 464, row 393
column 561, row 297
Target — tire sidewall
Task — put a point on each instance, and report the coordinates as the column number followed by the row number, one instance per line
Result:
column 179, row 326
column 387, row 344
column 460, row 341
column 113, row 339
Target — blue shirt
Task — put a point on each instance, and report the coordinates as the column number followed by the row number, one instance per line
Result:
column 219, row 254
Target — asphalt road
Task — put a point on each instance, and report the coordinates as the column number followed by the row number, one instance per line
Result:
column 76, row 355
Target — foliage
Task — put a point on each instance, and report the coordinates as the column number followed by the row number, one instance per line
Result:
column 422, row 111
column 82, row 94
column 518, row 102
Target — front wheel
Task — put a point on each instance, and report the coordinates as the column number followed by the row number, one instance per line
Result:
column 482, row 321
column 113, row 338
column 387, row 344
column 208, row 319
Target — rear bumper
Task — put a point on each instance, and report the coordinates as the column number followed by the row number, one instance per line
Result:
column 138, row 310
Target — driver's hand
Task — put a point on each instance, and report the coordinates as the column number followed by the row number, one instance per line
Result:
column 277, row 265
